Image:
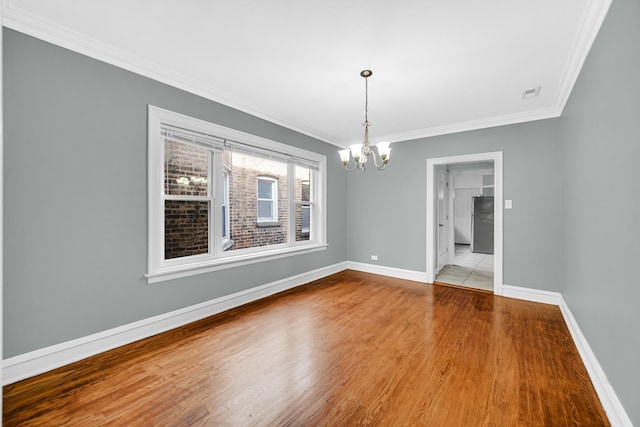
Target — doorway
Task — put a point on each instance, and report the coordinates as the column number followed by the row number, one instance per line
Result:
column 459, row 237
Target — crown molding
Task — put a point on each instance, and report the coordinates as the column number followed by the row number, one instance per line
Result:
column 25, row 22
column 590, row 25
column 59, row 35
column 489, row 122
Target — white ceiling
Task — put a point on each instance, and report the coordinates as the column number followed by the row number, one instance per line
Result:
column 439, row 66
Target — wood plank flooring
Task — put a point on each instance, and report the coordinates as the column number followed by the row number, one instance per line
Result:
column 350, row 349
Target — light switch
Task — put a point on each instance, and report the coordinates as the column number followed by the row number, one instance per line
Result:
column 508, row 204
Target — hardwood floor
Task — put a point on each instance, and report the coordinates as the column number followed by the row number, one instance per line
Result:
column 350, row 349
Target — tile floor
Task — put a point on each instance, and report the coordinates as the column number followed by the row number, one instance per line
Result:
column 472, row 270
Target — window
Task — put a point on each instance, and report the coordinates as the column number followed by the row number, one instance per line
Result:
column 267, row 199
column 219, row 197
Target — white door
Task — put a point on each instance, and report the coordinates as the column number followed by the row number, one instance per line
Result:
column 462, row 214
column 443, row 218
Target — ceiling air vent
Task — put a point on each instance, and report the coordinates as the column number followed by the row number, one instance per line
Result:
column 530, row 93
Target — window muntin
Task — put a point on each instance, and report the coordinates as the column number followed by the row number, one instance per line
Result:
column 195, row 184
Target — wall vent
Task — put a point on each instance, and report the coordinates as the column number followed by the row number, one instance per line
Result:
column 531, row 93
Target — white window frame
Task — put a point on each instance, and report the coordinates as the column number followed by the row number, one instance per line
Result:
column 160, row 269
column 274, row 199
column 309, row 205
column 225, row 203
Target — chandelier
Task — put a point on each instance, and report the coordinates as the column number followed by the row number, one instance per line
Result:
column 361, row 152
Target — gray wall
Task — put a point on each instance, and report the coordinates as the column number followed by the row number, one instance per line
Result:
column 75, row 199
column 387, row 210
column 566, row 177
column 601, row 210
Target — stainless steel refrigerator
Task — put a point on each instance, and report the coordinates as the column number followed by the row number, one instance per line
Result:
column 482, row 225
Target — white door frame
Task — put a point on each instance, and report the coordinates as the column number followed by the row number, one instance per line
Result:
column 496, row 157
column 449, row 244
column 1, row 203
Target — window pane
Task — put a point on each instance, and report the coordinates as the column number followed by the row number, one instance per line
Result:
column 265, row 208
column 303, row 222
column 186, row 228
column 246, row 186
column 265, row 189
column 185, row 169
column 303, row 184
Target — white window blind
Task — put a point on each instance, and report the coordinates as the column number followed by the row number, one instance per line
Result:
column 252, row 150
column 184, row 135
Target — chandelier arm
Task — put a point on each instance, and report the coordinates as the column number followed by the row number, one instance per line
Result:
column 346, row 165
column 375, row 156
column 355, row 164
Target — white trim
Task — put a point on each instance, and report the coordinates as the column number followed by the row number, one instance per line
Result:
column 528, row 294
column 496, row 157
column 398, row 273
column 33, row 25
column 1, row 203
column 489, row 122
column 52, row 32
column 608, row 398
column 39, row 361
column 231, row 262
column 451, row 232
column 590, row 24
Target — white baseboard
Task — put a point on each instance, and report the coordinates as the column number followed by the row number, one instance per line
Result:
column 398, row 273
column 528, row 294
column 608, row 398
column 39, row 361
column 612, row 406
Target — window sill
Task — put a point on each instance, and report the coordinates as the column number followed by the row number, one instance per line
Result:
column 268, row 224
column 230, row 262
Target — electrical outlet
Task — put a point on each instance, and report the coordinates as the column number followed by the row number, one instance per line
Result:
column 374, row 257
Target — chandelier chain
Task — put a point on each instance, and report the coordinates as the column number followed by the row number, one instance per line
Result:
column 366, row 101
